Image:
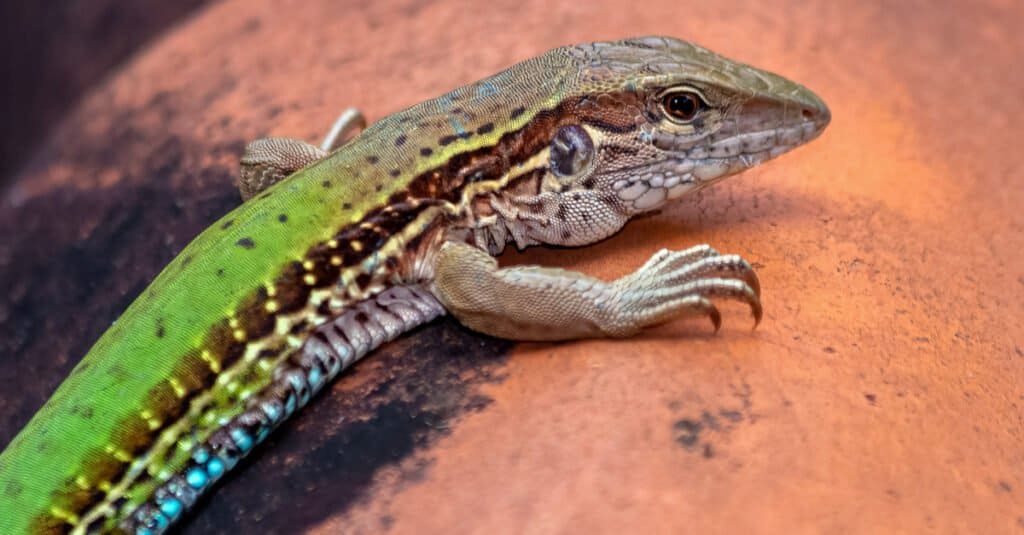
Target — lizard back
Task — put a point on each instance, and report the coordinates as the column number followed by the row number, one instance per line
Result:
column 209, row 332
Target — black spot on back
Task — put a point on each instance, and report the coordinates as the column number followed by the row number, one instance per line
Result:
column 246, row 243
column 400, row 140
column 484, row 129
column 283, row 218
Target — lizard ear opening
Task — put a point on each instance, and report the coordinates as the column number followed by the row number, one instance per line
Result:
column 572, row 151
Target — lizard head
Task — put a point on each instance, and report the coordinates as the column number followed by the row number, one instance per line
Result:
column 649, row 120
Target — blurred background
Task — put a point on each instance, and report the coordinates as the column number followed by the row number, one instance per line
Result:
column 57, row 50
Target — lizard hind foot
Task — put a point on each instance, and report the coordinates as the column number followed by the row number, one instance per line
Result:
column 268, row 161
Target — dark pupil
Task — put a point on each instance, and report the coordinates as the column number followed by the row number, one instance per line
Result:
column 683, row 106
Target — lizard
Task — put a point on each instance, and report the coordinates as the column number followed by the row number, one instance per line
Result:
column 340, row 248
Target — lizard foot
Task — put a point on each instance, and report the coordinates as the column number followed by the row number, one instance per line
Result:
column 674, row 283
column 267, row 161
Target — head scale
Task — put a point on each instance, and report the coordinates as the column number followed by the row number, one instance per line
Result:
column 649, row 120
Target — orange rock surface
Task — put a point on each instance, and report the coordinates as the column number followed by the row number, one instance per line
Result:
column 883, row 390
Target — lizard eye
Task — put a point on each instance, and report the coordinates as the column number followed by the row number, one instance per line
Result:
column 682, row 105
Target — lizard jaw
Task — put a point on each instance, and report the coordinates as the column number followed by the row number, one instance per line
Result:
column 762, row 130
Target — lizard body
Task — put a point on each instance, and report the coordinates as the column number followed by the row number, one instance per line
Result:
column 336, row 253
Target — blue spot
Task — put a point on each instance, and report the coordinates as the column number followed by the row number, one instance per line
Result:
column 262, row 434
column 272, row 412
column 371, row 263
column 457, row 126
column 196, row 478
column 143, row 531
column 314, row 376
column 171, row 507
column 289, row 404
column 486, row 89
column 215, row 467
column 201, row 456
column 242, row 439
column 161, row 521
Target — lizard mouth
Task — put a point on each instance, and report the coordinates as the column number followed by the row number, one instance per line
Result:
column 753, row 147
column 737, row 152
column 760, row 129
column 694, row 167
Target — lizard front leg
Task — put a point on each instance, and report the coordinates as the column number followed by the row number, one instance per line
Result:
column 267, row 161
column 536, row 303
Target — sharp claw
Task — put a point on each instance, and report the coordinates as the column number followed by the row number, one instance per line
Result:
column 755, row 309
column 716, row 317
column 753, row 282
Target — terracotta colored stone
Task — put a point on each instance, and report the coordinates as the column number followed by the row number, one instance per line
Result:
column 882, row 392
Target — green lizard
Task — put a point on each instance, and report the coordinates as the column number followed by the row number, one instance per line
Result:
column 338, row 251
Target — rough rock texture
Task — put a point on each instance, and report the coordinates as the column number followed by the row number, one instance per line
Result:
column 881, row 393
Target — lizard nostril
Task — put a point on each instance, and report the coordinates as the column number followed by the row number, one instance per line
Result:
column 808, row 114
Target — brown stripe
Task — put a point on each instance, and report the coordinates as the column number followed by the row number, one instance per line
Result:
column 614, row 112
